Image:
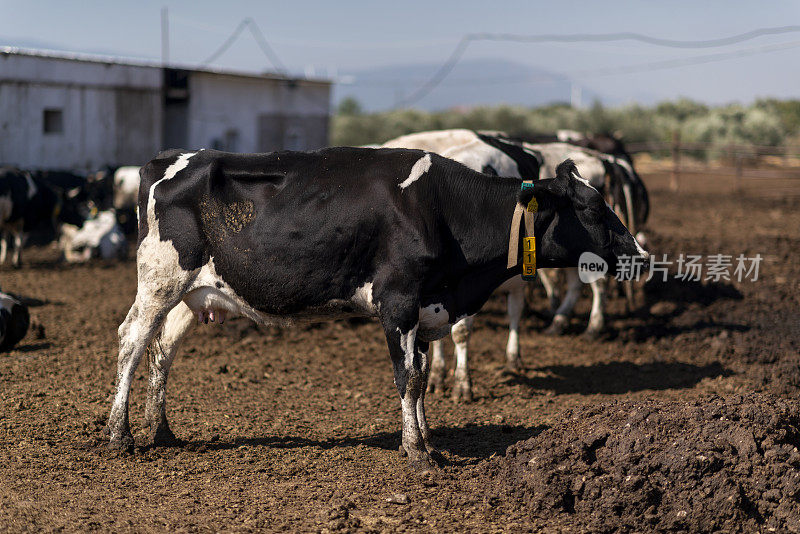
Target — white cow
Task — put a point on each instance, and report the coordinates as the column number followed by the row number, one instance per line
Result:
column 126, row 187
column 100, row 237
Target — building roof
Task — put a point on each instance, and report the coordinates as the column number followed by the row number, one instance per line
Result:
column 138, row 62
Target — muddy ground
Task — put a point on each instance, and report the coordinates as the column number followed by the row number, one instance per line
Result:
column 691, row 398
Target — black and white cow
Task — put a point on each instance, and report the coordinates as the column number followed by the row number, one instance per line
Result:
column 497, row 154
column 100, row 236
column 623, row 188
column 410, row 237
column 24, row 204
column 14, row 321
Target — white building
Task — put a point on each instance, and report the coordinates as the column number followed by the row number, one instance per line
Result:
column 65, row 111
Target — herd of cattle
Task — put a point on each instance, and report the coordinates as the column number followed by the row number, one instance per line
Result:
column 416, row 234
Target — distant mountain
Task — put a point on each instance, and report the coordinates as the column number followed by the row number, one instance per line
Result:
column 471, row 83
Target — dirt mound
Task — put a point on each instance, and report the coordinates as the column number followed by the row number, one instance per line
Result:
column 726, row 464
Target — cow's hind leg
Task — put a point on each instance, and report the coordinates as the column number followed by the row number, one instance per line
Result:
column 549, row 280
column 143, row 321
column 438, row 367
column 516, row 305
column 410, row 377
column 561, row 319
column 3, row 247
column 16, row 258
column 160, row 357
column 597, row 316
column 462, row 383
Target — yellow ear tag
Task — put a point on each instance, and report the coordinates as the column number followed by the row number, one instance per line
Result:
column 533, row 206
column 528, row 258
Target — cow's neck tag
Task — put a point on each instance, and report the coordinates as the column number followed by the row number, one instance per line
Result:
column 529, row 258
column 523, row 217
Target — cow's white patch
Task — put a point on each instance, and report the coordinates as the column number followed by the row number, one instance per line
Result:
column 566, row 136
column 362, row 298
column 31, row 186
column 624, row 164
column 177, row 166
column 101, row 234
column 420, row 167
column 639, row 248
column 436, row 141
column 408, row 343
column 157, row 260
column 584, row 181
column 477, row 154
column 433, row 316
column 126, row 187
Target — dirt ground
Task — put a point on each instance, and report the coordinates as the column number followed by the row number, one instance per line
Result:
column 681, row 417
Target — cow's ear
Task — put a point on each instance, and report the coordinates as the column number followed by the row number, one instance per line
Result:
column 562, row 185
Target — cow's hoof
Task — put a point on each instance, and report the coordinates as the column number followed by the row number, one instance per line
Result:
column 437, row 456
column 558, row 326
column 422, row 461
column 462, row 392
column 592, row 334
column 163, row 437
column 124, row 442
column 513, row 364
column 436, row 384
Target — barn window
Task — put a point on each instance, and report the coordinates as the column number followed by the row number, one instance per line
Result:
column 53, row 121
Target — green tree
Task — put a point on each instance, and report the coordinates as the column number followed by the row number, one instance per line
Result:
column 349, row 106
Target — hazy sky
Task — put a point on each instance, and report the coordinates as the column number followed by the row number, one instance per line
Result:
column 340, row 37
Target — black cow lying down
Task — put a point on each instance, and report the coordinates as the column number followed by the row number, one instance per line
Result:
column 14, row 321
column 417, row 240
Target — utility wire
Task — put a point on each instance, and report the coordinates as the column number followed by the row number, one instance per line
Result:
column 261, row 41
column 592, row 73
column 684, row 62
column 465, row 41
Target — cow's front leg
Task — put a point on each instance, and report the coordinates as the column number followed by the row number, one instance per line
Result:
column 462, row 383
column 516, row 305
column 561, row 319
column 597, row 316
column 548, row 278
column 16, row 258
column 161, row 355
column 438, row 367
column 411, row 376
column 3, row 247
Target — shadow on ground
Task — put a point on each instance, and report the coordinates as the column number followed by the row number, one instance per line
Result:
column 472, row 442
column 616, row 378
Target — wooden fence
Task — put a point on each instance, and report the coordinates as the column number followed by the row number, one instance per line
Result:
column 755, row 169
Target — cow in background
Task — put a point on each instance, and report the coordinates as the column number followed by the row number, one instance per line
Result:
column 28, row 203
column 99, row 237
column 14, row 321
column 116, row 188
column 499, row 155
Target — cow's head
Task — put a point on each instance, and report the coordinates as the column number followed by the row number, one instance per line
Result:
column 573, row 218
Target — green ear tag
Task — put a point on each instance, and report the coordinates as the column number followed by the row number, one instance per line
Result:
column 533, row 206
